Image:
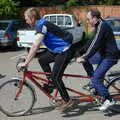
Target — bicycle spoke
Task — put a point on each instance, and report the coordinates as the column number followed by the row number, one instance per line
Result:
column 11, row 106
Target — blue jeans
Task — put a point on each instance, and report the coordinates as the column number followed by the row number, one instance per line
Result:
column 88, row 64
column 98, row 76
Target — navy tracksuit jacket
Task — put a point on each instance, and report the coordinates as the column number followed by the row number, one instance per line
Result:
column 104, row 43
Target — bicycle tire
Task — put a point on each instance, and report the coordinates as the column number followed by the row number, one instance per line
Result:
column 21, row 106
column 114, row 88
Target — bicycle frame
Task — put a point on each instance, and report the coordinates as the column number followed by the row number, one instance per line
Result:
column 34, row 77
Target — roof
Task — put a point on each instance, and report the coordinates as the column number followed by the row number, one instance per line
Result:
column 58, row 15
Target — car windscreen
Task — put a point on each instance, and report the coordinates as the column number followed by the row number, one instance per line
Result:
column 3, row 26
column 115, row 25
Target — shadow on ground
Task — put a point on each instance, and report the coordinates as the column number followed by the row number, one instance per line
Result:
column 35, row 111
column 76, row 110
column 79, row 109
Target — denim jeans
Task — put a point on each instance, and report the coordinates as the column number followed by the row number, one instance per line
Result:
column 98, row 76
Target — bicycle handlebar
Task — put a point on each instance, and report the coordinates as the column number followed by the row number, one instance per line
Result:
column 20, row 60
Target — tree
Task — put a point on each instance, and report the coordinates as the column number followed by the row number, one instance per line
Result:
column 66, row 3
column 8, row 9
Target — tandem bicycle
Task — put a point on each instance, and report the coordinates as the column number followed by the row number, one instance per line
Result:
column 22, row 95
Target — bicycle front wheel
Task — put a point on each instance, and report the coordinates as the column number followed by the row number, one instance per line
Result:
column 16, row 107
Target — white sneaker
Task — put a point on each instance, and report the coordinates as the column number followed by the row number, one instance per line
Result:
column 106, row 105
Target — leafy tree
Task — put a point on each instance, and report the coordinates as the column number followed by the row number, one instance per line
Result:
column 8, row 9
column 49, row 2
column 66, row 3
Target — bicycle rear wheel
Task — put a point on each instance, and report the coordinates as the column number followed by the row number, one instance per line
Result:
column 16, row 107
column 114, row 88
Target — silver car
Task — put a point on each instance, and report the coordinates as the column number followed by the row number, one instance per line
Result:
column 114, row 22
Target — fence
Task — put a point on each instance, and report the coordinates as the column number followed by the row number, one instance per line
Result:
column 80, row 11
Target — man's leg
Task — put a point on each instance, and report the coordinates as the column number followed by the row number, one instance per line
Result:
column 88, row 66
column 89, row 70
column 44, row 61
column 99, row 74
column 61, row 63
column 97, row 81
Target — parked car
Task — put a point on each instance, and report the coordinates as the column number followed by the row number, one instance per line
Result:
column 65, row 21
column 114, row 22
column 8, row 32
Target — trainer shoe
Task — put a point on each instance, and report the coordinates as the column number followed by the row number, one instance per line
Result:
column 65, row 105
column 59, row 103
column 107, row 103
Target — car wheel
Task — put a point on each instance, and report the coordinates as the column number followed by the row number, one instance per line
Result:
column 27, row 49
column 14, row 46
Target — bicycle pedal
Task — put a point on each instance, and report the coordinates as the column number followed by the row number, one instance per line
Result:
column 97, row 101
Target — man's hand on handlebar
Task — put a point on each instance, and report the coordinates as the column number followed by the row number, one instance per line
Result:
column 21, row 66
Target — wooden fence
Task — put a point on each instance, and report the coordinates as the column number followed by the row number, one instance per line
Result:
column 80, row 11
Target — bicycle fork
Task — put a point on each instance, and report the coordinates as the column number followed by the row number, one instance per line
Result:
column 20, row 87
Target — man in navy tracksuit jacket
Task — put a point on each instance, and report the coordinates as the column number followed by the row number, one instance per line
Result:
column 104, row 43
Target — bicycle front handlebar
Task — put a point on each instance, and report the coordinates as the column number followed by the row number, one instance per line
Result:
column 21, row 60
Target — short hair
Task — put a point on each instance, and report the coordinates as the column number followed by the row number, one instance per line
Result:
column 32, row 12
column 95, row 13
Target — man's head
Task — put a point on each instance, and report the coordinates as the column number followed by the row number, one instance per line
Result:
column 31, row 15
column 93, row 16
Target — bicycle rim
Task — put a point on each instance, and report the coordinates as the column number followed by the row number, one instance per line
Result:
column 9, row 105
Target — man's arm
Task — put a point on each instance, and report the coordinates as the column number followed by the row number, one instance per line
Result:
column 96, row 43
column 34, row 48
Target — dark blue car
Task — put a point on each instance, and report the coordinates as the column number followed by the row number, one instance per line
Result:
column 8, row 32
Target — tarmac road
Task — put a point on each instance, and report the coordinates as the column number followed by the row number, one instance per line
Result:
column 42, row 109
